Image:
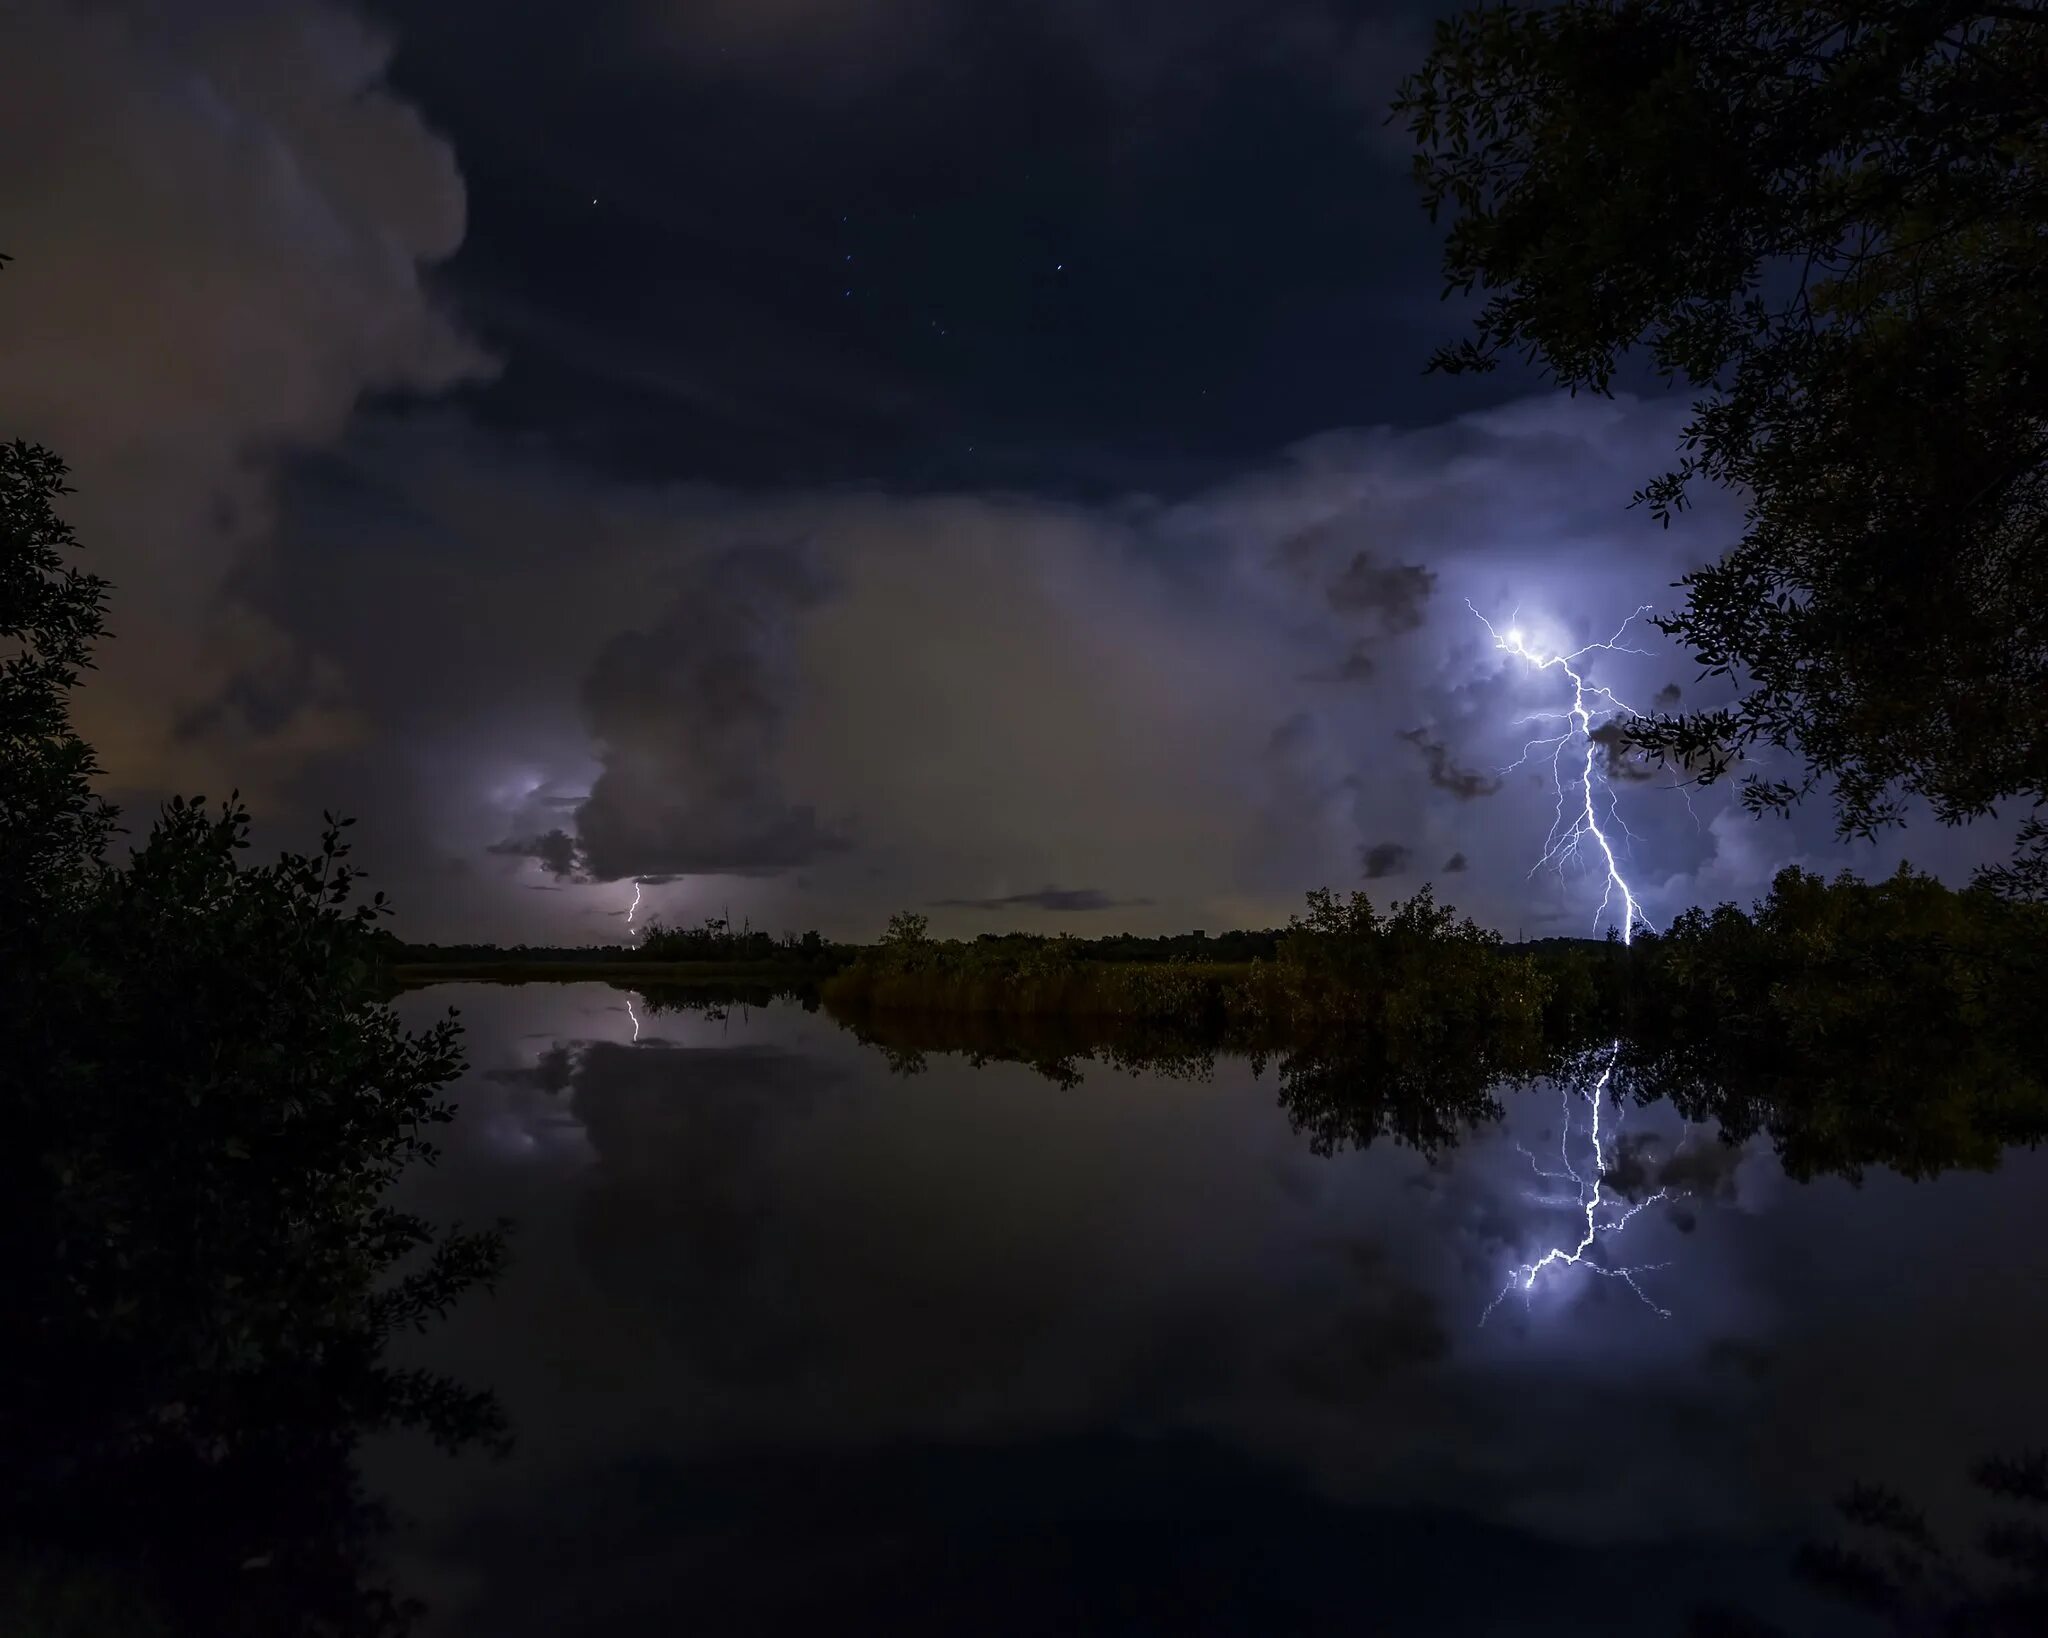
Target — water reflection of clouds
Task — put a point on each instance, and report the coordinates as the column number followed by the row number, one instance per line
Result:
column 772, row 1243
column 997, row 1255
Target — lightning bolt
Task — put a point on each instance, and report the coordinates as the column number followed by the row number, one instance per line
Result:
column 1582, row 793
column 635, row 905
column 630, row 1013
column 1592, row 1195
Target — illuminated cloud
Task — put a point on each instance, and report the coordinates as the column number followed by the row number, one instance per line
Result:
column 816, row 707
column 689, row 716
column 220, row 249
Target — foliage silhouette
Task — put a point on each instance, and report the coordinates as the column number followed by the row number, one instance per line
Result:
column 1858, row 1023
column 205, row 1105
column 2024, row 877
column 1895, row 1568
column 717, row 940
column 1826, row 218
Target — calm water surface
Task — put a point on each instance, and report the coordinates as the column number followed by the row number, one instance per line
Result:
column 794, row 1343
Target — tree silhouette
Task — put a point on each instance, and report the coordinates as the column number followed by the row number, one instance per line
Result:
column 1896, row 1569
column 205, row 1102
column 1826, row 217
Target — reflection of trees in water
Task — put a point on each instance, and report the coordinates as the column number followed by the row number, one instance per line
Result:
column 1854, row 1024
column 1841, row 1111
column 719, row 1002
column 1895, row 1567
column 1060, row 1048
column 1840, row 1106
column 1344, row 1093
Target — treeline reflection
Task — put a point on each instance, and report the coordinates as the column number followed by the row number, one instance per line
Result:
column 1850, row 1024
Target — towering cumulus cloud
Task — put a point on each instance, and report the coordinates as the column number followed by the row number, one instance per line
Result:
column 689, row 714
column 217, row 252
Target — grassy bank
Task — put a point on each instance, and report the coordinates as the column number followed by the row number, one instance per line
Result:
column 1416, row 976
column 957, row 978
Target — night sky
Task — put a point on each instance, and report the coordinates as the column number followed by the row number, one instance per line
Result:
column 830, row 457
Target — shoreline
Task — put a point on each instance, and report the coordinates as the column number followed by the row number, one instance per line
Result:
column 418, row 974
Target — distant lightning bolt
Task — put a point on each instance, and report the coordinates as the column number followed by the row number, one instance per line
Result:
column 630, row 1013
column 1580, row 797
column 635, row 905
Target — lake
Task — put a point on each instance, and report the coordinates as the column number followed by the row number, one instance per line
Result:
column 794, row 1340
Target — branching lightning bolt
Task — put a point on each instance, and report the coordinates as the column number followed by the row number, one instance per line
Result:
column 1581, row 795
column 1592, row 1198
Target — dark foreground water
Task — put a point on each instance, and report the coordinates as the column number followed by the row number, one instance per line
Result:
column 793, row 1343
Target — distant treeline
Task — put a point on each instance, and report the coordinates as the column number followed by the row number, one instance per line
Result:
column 715, row 942
column 398, row 951
column 719, row 940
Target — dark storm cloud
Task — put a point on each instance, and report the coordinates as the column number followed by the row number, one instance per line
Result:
column 1702, row 1168
column 1668, row 697
column 1619, row 761
column 1706, row 1167
column 557, row 851
column 1358, row 666
column 689, row 717
column 1384, row 859
column 1398, row 593
column 1046, row 898
column 1454, row 864
column 1444, row 771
